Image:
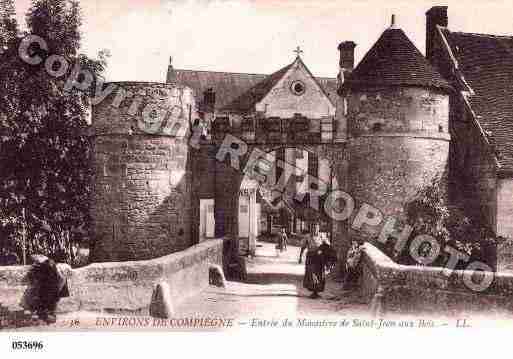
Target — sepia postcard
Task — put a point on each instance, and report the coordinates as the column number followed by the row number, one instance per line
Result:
column 230, row 166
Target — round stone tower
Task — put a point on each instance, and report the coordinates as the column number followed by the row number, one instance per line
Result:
column 141, row 207
column 397, row 121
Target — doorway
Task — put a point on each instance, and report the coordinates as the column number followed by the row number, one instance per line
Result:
column 207, row 219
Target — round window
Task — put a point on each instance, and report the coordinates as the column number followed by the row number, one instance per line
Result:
column 298, row 88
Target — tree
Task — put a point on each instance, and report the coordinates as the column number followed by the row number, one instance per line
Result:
column 9, row 104
column 8, row 23
column 45, row 153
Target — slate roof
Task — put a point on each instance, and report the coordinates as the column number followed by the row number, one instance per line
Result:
column 226, row 85
column 486, row 63
column 229, row 86
column 255, row 94
column 395, row 61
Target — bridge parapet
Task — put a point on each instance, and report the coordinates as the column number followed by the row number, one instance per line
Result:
column 395, row 288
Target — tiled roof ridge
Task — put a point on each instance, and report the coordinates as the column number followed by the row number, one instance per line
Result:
column 467, row 89
column 508, row 37
column 248, row 73
column 224, row 72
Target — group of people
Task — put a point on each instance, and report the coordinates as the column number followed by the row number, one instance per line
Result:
column 320, row 258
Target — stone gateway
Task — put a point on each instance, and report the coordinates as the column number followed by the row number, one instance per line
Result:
column 378, row 132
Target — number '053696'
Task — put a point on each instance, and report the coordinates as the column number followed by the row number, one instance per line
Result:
column 27, row 345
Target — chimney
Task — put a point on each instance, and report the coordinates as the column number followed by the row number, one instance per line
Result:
column 437, row 15
column 209, row 100
column 346, row 61
column 346, row 49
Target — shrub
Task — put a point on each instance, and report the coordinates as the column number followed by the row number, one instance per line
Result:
column 428, row 213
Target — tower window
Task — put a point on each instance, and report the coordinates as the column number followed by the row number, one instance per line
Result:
column 440, row 128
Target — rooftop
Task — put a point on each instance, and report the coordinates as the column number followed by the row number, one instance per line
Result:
column 395, row 61
column 486, row 62
column 230, row 86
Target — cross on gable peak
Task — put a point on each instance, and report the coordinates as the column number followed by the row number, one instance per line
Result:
column 298, row 51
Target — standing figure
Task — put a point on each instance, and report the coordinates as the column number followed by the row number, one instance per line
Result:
column 283, row 239
column 315, row 277
column 281, row 244
column 304, row 242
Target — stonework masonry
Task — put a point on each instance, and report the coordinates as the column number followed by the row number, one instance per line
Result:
column 397, row 142
column 395, row 289
column 124, row 286
column 143, row 181
column 473, row 172
column 148, row 186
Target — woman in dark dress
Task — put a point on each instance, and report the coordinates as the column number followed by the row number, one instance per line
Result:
column 315, row 277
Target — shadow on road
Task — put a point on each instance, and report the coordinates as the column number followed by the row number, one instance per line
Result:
column 274, row 278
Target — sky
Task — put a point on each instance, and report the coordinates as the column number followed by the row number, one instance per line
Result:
column 257, row 36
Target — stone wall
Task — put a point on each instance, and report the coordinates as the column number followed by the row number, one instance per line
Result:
column 473, row 168
column 397, row 142
column 393, row 288
column 398, row 110
column 226, row 207
column 386, row 172
column 204, row 171
column 143, row 172
column 126, row 286
column 473, row 177
column 340, row 130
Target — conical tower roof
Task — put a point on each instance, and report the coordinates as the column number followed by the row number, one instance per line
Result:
column 395, row 61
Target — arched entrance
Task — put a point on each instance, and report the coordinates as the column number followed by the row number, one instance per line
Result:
column 282, row 200
column 263, row 187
